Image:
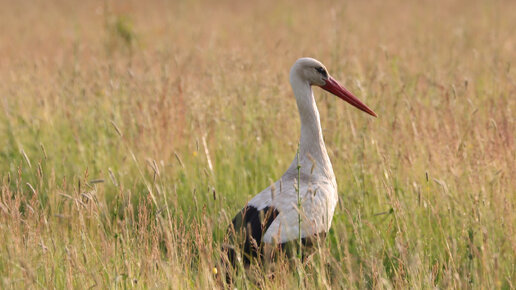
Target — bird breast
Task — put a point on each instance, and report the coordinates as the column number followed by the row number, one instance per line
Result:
column 318, row 199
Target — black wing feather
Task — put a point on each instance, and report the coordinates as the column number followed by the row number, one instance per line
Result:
column 247, row 230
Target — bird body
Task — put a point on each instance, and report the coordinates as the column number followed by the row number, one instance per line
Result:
column 274, row 216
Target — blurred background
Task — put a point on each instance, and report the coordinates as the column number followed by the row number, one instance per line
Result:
column 132, row 131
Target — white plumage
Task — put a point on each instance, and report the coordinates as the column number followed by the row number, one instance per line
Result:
column 317, row 184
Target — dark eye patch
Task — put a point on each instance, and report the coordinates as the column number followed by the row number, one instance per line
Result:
column 322, row 71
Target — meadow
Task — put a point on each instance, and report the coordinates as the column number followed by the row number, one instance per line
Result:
column 132, row 131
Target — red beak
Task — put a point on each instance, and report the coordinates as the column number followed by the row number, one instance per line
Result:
column 337, row 89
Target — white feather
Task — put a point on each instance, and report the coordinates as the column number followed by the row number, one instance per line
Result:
column 318, row 187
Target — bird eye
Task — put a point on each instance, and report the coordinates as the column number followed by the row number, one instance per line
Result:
column 322, row 71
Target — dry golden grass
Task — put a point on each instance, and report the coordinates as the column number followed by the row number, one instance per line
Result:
column 112, row 112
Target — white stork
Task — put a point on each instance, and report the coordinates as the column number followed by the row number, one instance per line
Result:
column 273, row 215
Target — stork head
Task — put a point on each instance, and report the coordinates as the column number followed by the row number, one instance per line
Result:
column 316, row 74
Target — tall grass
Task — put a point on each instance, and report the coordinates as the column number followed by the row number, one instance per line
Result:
column 131, row 133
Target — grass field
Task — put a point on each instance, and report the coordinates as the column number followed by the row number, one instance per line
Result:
column 132, row 131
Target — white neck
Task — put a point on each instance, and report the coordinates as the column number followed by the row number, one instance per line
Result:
column 312, row 146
